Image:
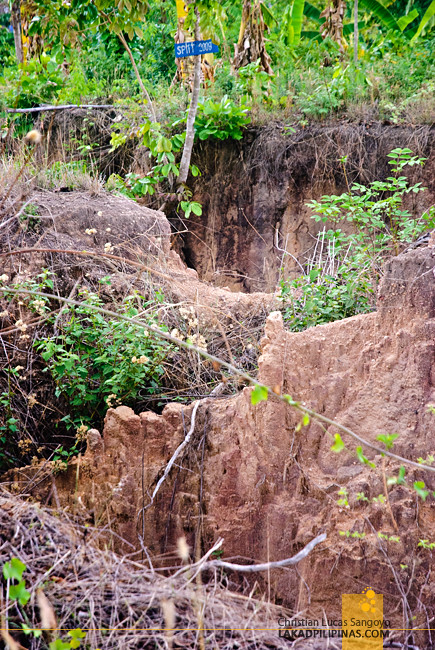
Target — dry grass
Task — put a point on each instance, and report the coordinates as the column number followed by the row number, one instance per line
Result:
column 120, row 601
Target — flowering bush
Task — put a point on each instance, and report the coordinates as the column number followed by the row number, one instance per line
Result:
column 98, row 363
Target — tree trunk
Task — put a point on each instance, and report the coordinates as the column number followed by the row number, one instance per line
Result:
column 333, row 25
column 16, row 26
column 355, row 32
column 251, row 45
column 138, row 77
column 190, row 126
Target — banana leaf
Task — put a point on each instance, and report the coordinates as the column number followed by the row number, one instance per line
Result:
column 297, row 15
column 268, row 16
column 429, row 14
column 310, row 11
column 406, row 20
column 382, row 13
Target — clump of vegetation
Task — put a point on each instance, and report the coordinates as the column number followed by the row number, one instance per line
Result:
column 97, row 363
column 345, row 269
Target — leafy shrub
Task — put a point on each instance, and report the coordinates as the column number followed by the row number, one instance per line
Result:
column 253, row 82
column 376, row 212
column 6, row 41
column 319, row 298
column 97, row 363
column 381, row 228
column 36, row 81
column 71, row 174
column 221, row 120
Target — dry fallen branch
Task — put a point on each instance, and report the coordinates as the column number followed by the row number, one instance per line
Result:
column 266, row 566
column 175, row 454
column 41, row 109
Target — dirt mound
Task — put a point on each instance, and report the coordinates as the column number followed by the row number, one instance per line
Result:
column 110, row 246
column 253, row 477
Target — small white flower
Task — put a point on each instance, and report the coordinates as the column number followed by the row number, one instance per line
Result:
column 21, row 325
column 199, row 341
column 183, row 549
column 99, row 213
column 4, row 314
column 108, row 229
column 177, row 334
column 91, row 231
column 110, row 399
column 108, row 248
column 4, row 277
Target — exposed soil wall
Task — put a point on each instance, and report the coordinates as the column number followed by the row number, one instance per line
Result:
column 254, row 193
column 252, row 478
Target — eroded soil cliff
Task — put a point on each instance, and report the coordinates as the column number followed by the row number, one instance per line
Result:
column 254, row 192
column 250, row 476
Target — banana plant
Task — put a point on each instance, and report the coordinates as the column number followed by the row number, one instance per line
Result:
column 291, row 28
column 386, row 18
column 428, row 17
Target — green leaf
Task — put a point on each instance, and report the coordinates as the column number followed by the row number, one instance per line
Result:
column 19, row 592
column 163, row 144
column 399, row 479
column 310, row 11
column 429, row 14
column 388, row 439
column 419, row 488
column 268, row 16
column 196, row 208
column 76, row 635
column 14, row 569
column 364, row 459
column 338, row 444
column 29, row 630
column 59, row 645
column 406, row 20
column 297, row 13
column 259, row 394
column 382, row 13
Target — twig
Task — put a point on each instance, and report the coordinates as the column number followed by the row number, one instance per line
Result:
column 16, row 216
column 72, row 292
column 384, row 478
column 176, row 454
column 138, row 77
column 40, row 109
column 253, row 568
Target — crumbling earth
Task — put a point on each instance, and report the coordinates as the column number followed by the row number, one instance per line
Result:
column 266, row 485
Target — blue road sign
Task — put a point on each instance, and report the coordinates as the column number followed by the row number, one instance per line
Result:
column 195, row 48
